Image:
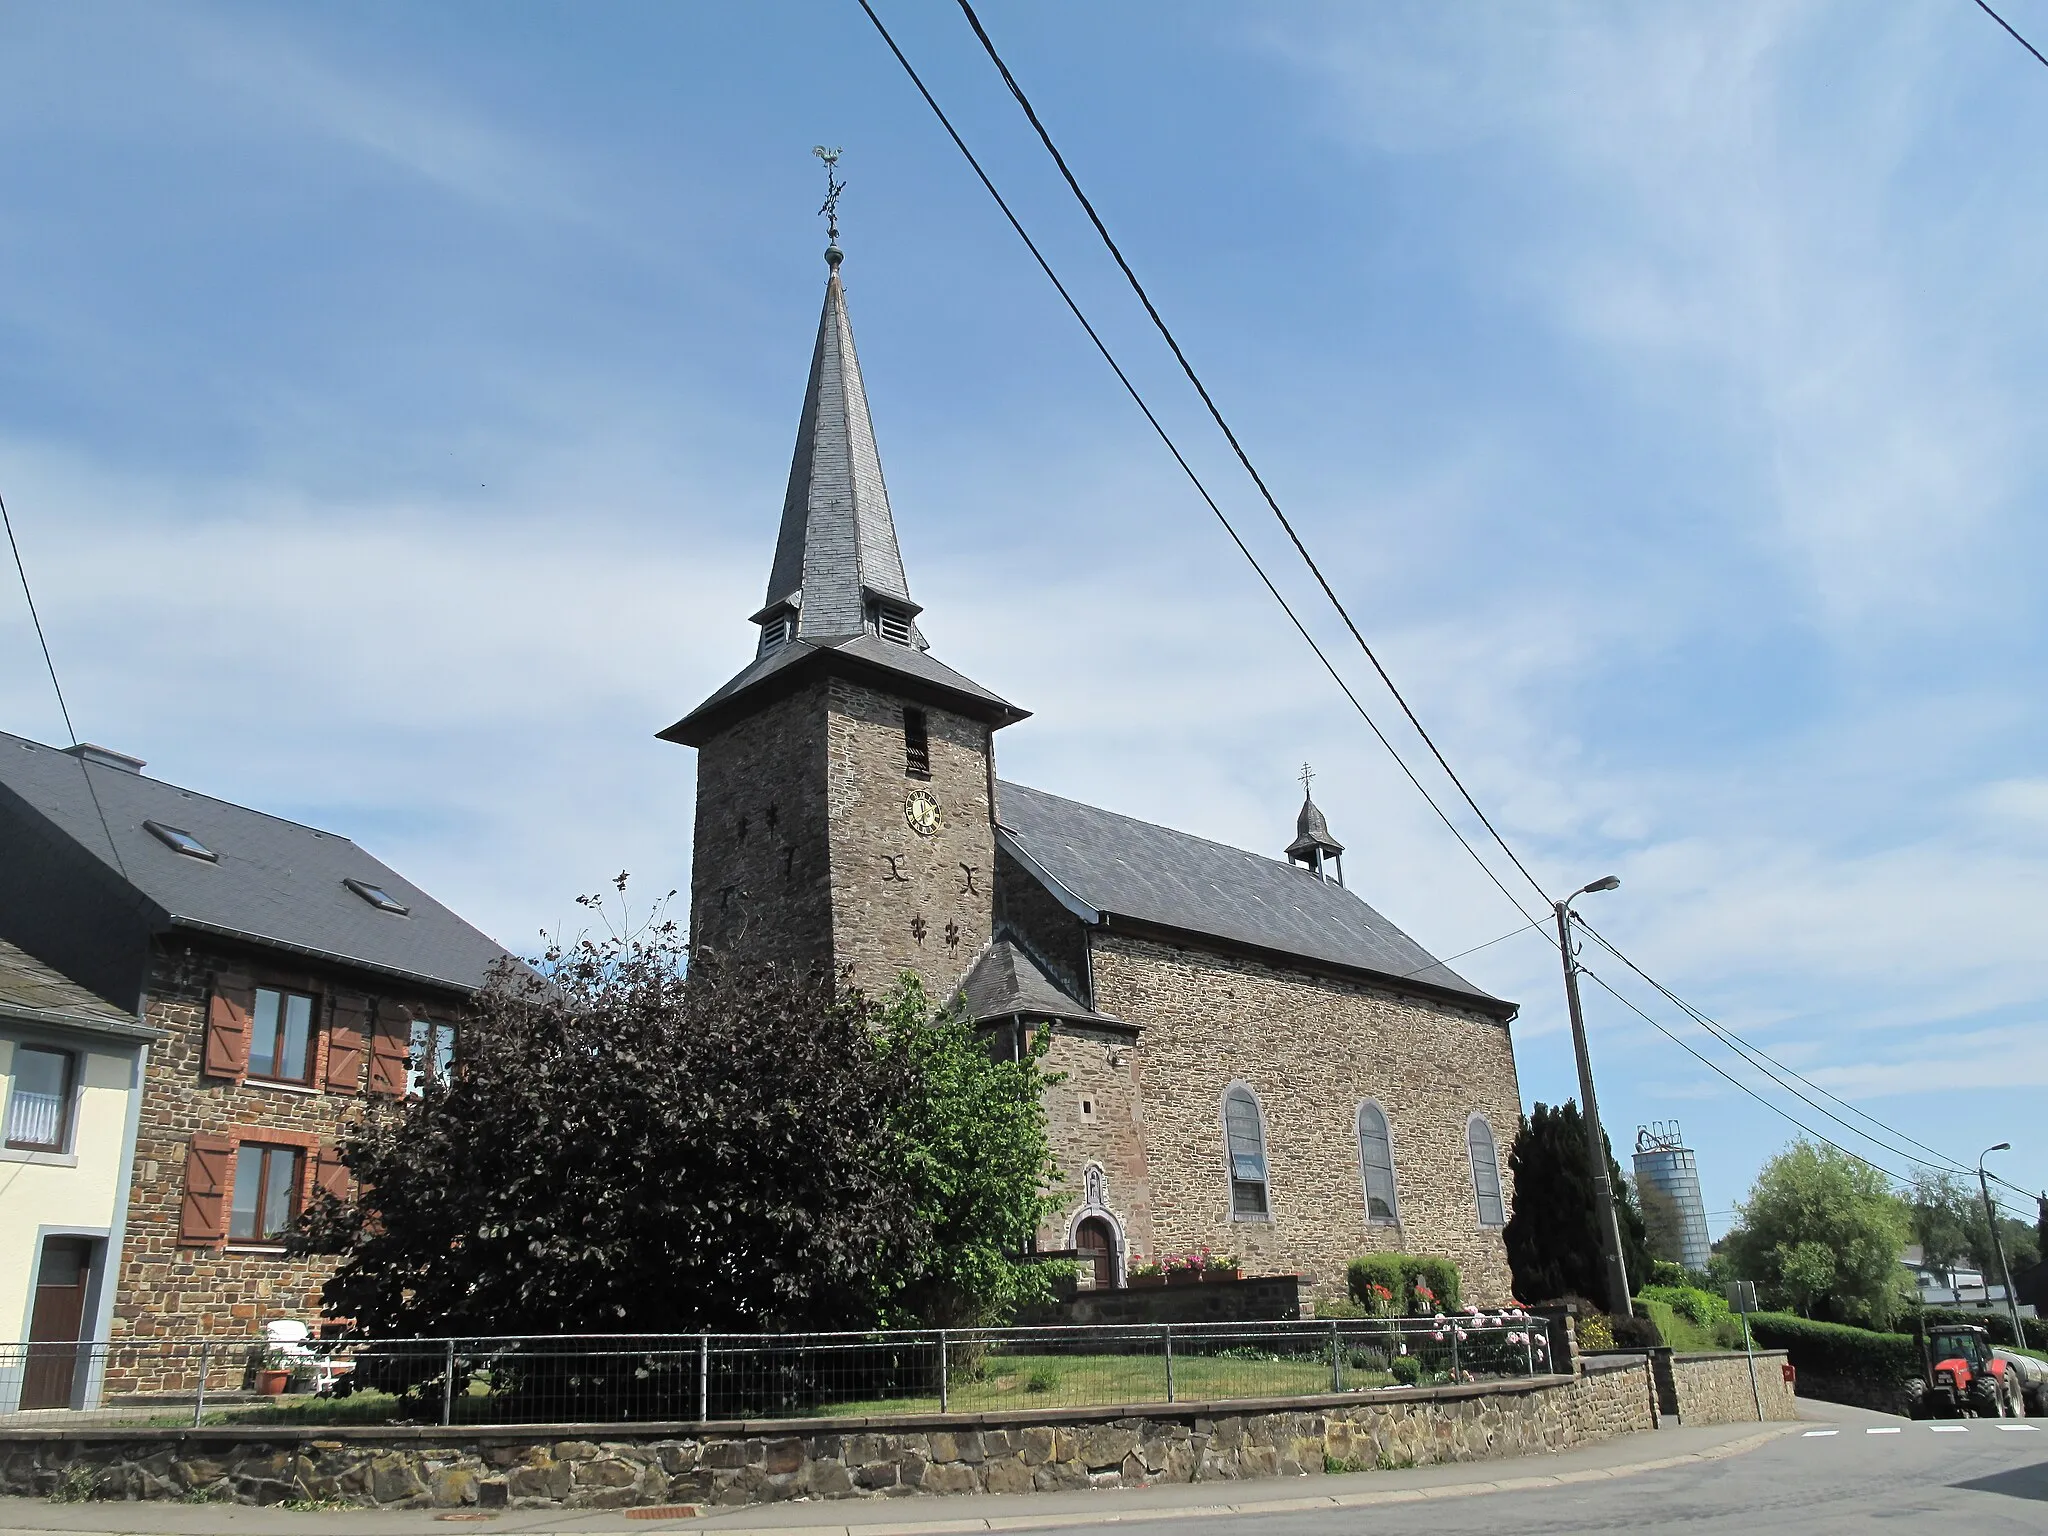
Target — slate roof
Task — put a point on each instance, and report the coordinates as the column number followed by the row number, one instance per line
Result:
column 906, row 668
column 1118, row 866
column 275, row 881
column 1006, row 980
column 838, row 540
column 31, row 991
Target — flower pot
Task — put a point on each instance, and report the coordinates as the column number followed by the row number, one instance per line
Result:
column 1138, row 1280
column 1184, row 1277
column 1223, row 1274
column 272, row 1383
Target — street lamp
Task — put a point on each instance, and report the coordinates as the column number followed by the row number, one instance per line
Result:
column 2012, row 1302
column 1605, row 1217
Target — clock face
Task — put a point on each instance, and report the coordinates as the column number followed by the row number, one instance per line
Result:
column 921, row 810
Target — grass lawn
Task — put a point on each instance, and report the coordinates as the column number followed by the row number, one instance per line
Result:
column 1081, row 1381
column 1007, row 1381
column 1681, row 1333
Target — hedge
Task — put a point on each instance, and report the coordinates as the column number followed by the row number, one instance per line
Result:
column 1398, row 1272
column 1997, row 1324
column 1834, row 1349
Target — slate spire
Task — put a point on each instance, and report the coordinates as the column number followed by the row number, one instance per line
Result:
column 838, row 570
column 1313, row 847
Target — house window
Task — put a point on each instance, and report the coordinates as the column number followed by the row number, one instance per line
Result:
column 917, row 745
column 1245, row 1143
column 266, row 1192
column 281, row 1036
column 1376, row 1164
column 433, row 1053
column 39, row 1108
column 1485, row 1172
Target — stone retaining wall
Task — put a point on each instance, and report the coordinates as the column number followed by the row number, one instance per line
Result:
column 594, row 1467
column 1714, row 1389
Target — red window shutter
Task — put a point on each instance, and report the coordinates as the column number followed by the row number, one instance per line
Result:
column 346, row 1036
column 390, row 1049
column 227, row 1028
column 204, row 1215
column 330, row 1174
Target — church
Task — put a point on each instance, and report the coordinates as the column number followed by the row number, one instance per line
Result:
column 1254, row 1060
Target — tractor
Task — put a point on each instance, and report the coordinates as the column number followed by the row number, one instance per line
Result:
column 1962, row 1375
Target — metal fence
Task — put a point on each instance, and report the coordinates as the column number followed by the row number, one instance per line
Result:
column 628, row 1378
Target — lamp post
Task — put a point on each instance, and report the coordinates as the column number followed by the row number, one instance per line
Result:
column 1605, row 1217
column 2012, row 1302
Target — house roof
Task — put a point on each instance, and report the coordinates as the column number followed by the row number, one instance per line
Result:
column 30, row 992
column 1107, row 866
column 1006, row 980
column 271, row 881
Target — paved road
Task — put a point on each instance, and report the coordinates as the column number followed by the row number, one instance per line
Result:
column 1849, row 1472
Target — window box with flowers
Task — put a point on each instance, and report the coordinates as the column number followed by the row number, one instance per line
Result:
column 1144, row 1272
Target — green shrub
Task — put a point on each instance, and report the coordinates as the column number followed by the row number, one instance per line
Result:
column 1701, row 1308
column 1340, row 1309
column 1835, row 1349
column 1996, row 1324
column 1405, row 1369
column 1635, row 1332
column 1400, row 1274
column 1596, row 1332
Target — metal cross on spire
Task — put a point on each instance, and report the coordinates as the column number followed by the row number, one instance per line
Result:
column 833, row 187
column 1307, row 773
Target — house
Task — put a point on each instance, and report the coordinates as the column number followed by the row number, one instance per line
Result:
column 1254, row 1059
column 71, row 1074
column 282, row 976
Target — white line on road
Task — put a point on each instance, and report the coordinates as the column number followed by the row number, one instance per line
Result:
column 1893, row 1430
column 1950, row 1429
column 2021, row 1429
column 1815, row 1434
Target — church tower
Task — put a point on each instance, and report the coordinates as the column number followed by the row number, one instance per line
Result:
column 845, row 778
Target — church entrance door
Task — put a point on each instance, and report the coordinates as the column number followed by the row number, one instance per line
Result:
column 1096, row 1243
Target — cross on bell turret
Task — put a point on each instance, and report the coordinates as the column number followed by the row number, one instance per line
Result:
column 1313, row 848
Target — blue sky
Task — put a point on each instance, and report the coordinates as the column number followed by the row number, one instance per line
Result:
column 395, row 403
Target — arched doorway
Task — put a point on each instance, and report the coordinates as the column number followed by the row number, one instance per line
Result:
column 1095, row 1240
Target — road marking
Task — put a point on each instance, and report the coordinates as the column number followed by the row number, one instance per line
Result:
column 2021, row 1429
column 1950, row 1429
column 1815, row 1434
column 1893, row 1430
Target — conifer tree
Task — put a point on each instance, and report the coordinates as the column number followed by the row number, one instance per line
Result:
column 1552, row 1239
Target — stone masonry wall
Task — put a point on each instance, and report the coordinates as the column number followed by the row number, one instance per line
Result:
column 170, row 1290
column 1714, row 1389
column 1312, row 1049
column 1097, row 1115
column 760, row 878
column 590, row 1467
column 901, row 901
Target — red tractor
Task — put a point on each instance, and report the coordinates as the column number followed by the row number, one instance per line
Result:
column 1963, row 1376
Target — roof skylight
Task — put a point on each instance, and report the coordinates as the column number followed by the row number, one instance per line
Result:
column 183, row 842
column 378, row 897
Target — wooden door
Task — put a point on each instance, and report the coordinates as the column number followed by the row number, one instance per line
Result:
column 1097, row 1244
column 57, row 1323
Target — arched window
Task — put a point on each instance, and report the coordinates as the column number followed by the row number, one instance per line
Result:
column 1244, row 1138
column 1376, row 1164
column 1485, row 1172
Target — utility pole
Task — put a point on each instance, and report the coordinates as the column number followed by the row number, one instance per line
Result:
column 2012, row 1302
column 1605, row 1216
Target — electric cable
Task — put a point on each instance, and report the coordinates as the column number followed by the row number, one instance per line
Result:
column 2009, row 29
column 1230, row 436
column 1173, row 448
column 64, row 709
column 1742, row 1050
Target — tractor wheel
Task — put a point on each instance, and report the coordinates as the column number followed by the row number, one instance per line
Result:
column 2037, row 1403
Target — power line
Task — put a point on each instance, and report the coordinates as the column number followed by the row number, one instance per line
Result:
column 1715, row 1031
column 21, row 570
column 2009, row 29
column 1230, row 436
column 1904, row 1181
column 1171, row 447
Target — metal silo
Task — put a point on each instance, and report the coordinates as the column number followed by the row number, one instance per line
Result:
column 1668, row 1188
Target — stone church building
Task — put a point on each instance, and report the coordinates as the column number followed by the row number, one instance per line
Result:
column 1255, row 1060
